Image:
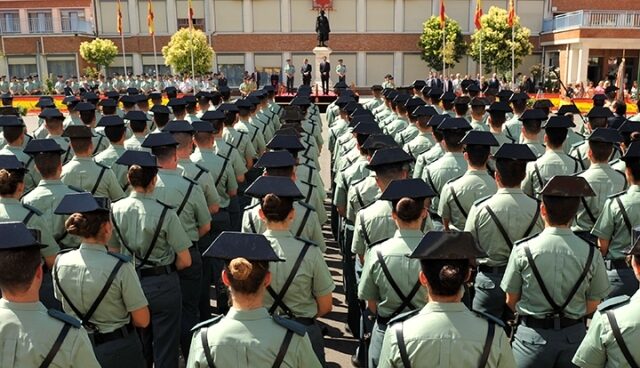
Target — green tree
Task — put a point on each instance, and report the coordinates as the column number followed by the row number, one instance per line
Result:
column 431, row 43
column 99, row 52
column 177, row 54
column 496, row 42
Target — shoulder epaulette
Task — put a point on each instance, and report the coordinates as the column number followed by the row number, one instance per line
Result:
column 306, row 241
column 489, row 318
column 617, row 194
column 590, row 243
column 525, row 239
column 403, row 316
column 453, row 179
column 306, row 205
column 480, row 200
column 32, row 209
column 63, row 317
column 164, row 204
column 621, row 173
column 251, row 206
column 378, row 242
column 191, row 181
column 66, row 250
column 613, row 302
column 578, row 173
column 293, row 326
column 359, row 181
column 578, row 144
column 27, row 192
column 202, row 168
column 209, row 322
column 102, row 165
column 76, row 189
column 614, row 161
column 369, row 205
column 120, row 256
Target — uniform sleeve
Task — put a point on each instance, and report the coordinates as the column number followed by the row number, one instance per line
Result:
column 470, row 224
column 367, row 287
column 201, row 211
column 238, row 164
column 358, row 245
column 389, row 352
column 418, row 168
column 512, row 279
column 209, row 189
column 196, row 353
column 175, row 233
column 592, row 353
column 82, row 355
column 322, row 281
column 132, row 294
column 527, row 183
column 319, row 205
column 52, row 248
column 260, row 144
column 113, row 187
column 315, row 231
column 599, row 285
column 444, row 210
column 231, row 182
column 305, row 357
column 605, row 224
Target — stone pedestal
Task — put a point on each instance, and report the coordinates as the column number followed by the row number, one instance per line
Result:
column 321, row 52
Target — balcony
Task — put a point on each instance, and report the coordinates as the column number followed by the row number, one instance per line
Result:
column 76, row 25
column 592, row 19
column 40, row 24
column 9, row 24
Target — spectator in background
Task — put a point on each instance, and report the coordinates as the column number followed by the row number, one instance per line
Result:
column 590, row 90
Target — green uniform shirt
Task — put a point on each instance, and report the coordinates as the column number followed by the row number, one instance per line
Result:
column 396, row 126
column 12, row 210
column 134, row 143
column 172, row 189
column 46, row 197
column 407, row 135
column 420, row 144
column 241, row 141
column 560, row 257
column 202, row 177
column 32, row 177
column 361, row 194
column 374, row 285
column 27, row 334
column 446, row 335
column 137, row 217
column 479, row 125
column 254, row 135
column 599, row 348
column 552, row 163
column 345, row 178
column 604, row 181
column 573, row 138
column 108, row 158
column 501, row 138
column 535, row 146
column 84, row 172
column 513, row 128
column 228, row 151
column 84, row 272
column 433, row 154
column 312, row 280
column 438, row 173
column 373, row 103
column 468, row 188
column 515, row 211
column 220, row 170
column 580, row 150
column 249, row 339
column 611, row 225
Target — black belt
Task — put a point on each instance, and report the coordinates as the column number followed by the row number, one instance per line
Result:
column 101, row 338
column 383, row 320
column 305, row 321
column 489, row 269
column 549, row 323
column 616, row 264
column 157, row 271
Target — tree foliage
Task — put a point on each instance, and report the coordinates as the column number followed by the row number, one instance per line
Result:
column 177, row 54
column 496, row 41
column 431, row 43
column 99, row 52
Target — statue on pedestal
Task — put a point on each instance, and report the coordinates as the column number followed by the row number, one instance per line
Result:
column 323, row 29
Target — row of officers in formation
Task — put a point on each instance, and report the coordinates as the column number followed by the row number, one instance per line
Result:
column 136, row 212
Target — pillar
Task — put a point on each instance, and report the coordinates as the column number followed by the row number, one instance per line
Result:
column 134, row 18
column 361, row 60
column 285, row 17
column 361, row 16
column 247, row 18
column 398, row 66
column 583, row 64
column 172, row 16
column 398, row 11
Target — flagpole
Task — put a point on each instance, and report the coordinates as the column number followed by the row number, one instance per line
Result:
column 444, row 62
column 513, row 56
column 193, row 72
column 481, row 70
column 155, row 54
column 124, row 54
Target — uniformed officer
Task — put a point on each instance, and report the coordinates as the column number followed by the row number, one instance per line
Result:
column 614, row 329
column 52, row 128
column 301, row 287
column 497, row 117
column 138, row 125
column 248, row 333
column 459, row 194
column 239, row 139
column 389, row 282
column 554, row 161
column 597, row 118
column 630, row 132
column 150, row 232
column 614, row 226
column 186, row 196
column 99, row 287
column 604, row 180
column 497, row 221
column 531, row 127
column 31, row 335
column 115, row 131
column 13, row 129
column 436, row 151
column 478, row 114
column 47, row 195
column 161, row 116
column 554, row 280
column 513, row 126
column 444, row 333
column 87, row 113
column 83, row 172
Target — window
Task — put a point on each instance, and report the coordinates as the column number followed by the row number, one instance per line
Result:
column 268, row 64
column 228, row 15
column 107, row 14
column 9, row 22
column 72, row 20
column 117, row 66
column 198, row 23
column 21, row 67
column 40, row 22
column 232, row 66
column 61, row 65
column 149, row 65
column 182, row 9
column 159, row 17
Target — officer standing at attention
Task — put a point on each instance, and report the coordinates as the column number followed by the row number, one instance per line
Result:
column 554, row 280
column 614, row 328
column 114, row 130
column 30, row 335
column 497, row 221
column 459, row 194
column 301, row 287
column 13, row 131
column 247, row 333
column 150, row 232
column 99, row 287
column 186, row 196
column 290, row 71
column 531, row 127
column 444, row 333
column 621, row 212
column 389, row 281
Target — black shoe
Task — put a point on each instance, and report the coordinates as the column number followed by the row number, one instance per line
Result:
column 354, row 360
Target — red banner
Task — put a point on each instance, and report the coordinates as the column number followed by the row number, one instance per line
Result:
column 322, row 4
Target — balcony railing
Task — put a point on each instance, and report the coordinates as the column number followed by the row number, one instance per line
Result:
column 592, row 19
column 75, row 25
column 41, row 25
column 9, row 24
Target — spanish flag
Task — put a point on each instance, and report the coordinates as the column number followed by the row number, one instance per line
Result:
column 119, row 17
column 442, row 15
column 478, row 15
column 150, row 18
column 512, row 13
column 190, row 14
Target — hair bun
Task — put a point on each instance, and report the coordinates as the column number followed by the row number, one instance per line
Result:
column 240, row 268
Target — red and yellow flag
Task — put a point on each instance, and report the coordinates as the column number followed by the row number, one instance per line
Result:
column 190, row 10
column 478, row 15
column 512, row 13
column 150, row 18
column 119, row 17
column 442, row 14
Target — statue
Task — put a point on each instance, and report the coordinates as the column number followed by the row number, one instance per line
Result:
column 323, row 29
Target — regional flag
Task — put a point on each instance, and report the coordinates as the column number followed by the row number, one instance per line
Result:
column 478, row 15
column 512, row 13
column 190, row 14
column 442, row 15
column 150, row 18
column 119, row 17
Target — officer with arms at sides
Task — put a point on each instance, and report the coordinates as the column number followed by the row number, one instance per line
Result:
column 13, row 131
column 553, row 280
column 115, row 131
column 531, row 127
column 99, row 287
column 30, row 335
column 444, row 333
column 613, row 332
column 248, row 333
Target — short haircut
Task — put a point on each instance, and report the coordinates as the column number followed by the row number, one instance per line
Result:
column 47, row 163
column 137, row 126
column 620, row 108
column 497, row 118
column 461, row 109
column 108, row 110
column 556, row 136
column 601, row 151
column 478, row 155
column 286, row 171
column 634, row 167
column 532, row 126
column 88, row 117
column 115, row 133
column 561, row 210
column 81, row 144
column 202, row 137
column 512, row 172
column 185, row 140
column 598, row 122
column 161, row 119
column 453, row 138
column 445, row 276
column 164, row 153
column 19, row 267
column 12, row 133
